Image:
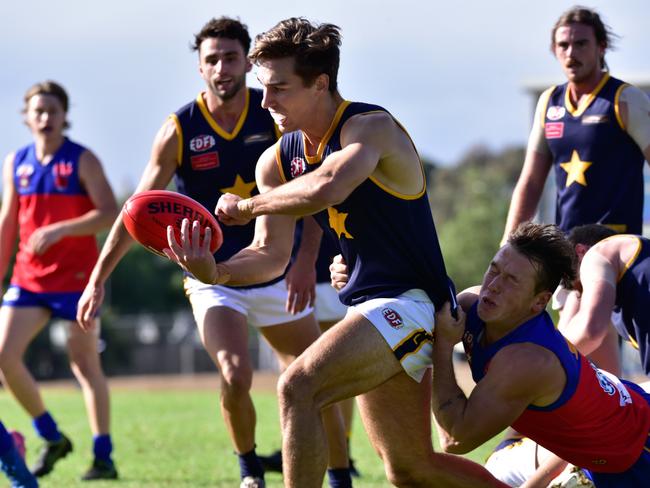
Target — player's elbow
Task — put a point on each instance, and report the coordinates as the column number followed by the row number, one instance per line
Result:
column 455, row 443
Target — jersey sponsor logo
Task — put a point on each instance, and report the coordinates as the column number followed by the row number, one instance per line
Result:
column 593, row 119
column 554, row 130
column 555, row 112
column 62, row 171
column 298, row 167
column 253, row 138
column 393, row 318
column 202, row 143
column 24, row 173
column 611, row 385
column 202, row 162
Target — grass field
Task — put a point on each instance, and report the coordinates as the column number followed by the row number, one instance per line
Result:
column 171, row 438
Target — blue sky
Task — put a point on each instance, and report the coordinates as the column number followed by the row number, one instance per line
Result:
column 454, row 73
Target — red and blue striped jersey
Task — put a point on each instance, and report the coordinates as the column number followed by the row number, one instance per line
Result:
column 50, row 193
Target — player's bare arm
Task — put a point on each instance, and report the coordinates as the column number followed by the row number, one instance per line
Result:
column 537, row 164
column 263, row 260
column 589, row 325
column 93, row 179
column 366, row 152
column 498, row 399
column 8, row 216
column 301, row 277
column 635, row 115
column 157, row 174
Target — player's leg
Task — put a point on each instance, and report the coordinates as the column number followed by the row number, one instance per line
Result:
column 289, row 340
column 224, row 333
column 22, row 316
column 221, row 316
column 86, row 366
column 397, row 417
column 18, row 327
column 12, row 461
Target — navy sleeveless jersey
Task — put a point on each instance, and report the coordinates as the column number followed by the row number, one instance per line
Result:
column 212, row 162
column 633, row 301
column 388, row 240
column 598, row 166
column 598, row 422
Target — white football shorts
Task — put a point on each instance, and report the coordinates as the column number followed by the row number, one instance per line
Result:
column 406, row 323
column 262, row 307
column 328, row 306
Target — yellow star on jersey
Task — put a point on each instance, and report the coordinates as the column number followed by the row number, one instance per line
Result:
column 240, row 188
column 337, row 222
column 575, row 169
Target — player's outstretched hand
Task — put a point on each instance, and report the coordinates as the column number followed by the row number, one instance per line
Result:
column 192, row 254
column 338, row 273
column 448, row 329
column 88, row 305
column 229, row 210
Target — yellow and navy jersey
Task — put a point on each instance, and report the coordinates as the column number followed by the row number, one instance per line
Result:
column 589, row 423
column 632, row 310
column 47, row 194
column 388, row 240
column 598, row 166
column 213, row 161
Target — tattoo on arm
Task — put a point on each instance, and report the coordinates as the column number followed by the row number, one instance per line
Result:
column 451, row 401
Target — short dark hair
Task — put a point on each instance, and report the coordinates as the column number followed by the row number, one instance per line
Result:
column 48, row 87
column 314, row 47
column 223, row 27
column 589, row 17
column 549, row 251
column 590, row 234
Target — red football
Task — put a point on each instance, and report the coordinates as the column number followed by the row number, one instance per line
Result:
column 146, row 216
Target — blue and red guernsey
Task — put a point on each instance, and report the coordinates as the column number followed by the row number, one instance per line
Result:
column 633, row 300
column 388, row 240
column 50, row 193
column 212, row 161
column 598, row 166
column 599, row 422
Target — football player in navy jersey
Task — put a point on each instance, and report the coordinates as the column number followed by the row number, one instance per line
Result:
column 210, row 147
column 593, row 131
column 355, row 168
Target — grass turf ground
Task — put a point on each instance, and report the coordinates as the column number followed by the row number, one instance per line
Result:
column 171, row 438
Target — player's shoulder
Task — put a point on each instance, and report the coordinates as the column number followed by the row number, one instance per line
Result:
column 524, row 360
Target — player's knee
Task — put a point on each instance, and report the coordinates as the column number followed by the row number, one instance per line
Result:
column 236, row 379
column 295, row 387
column 85, row 365
column 403, row 475
column 8, row 359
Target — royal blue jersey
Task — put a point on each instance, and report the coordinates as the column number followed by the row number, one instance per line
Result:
column 598, row 166
column 598, row 421
column 633, row 301
column 388, row 240
column 212, row 161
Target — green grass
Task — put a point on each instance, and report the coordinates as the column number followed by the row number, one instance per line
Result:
column 171, row 439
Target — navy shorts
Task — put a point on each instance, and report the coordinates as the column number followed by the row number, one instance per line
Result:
column 61, row 305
